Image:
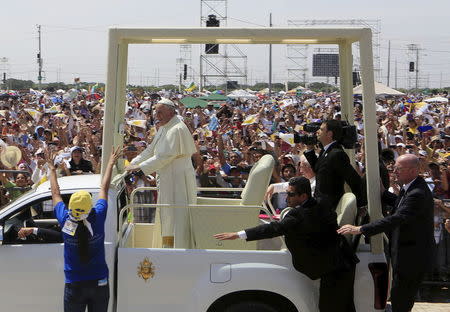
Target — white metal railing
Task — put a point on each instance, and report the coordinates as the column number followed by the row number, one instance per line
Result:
column 133, row 205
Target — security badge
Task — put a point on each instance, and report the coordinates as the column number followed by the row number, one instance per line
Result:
column 70, row 227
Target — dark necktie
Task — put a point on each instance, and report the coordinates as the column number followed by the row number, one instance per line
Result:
column 321, row 152
column 400, row 196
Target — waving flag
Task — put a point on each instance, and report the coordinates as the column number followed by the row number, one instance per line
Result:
column 286, row 103
column 287, row 137
column 34, row 92
column 34, row 113
column 213, row 123
column 61, row 115
column 191, row 87
column 250, row 120
column 93, row 88
column 53, row 110
column 141, row 123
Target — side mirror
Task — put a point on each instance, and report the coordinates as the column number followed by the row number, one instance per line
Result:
column 1, row 234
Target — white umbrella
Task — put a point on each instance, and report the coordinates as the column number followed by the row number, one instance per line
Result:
column 380, row 89
column 437, row 99
column 310, row 101
column 60, row 91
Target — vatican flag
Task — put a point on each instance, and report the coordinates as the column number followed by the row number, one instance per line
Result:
column 191, row 87
column 287, row 137
column 34, row 113
column 141, row 123
column 250, row 120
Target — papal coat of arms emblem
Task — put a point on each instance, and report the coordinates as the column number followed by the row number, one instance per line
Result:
column 146, row 269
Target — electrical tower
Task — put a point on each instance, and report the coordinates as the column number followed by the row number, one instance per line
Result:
column 299, row 58
column 413, row 58
column 219, row 63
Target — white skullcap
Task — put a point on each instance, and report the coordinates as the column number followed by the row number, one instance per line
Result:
column 166, row 101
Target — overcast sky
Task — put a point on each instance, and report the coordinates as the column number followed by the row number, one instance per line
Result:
column 74, row 35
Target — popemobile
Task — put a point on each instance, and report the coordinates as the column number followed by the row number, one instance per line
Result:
column 213, row 275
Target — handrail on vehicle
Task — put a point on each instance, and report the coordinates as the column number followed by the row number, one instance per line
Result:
column 204, row 189
column 137, row 205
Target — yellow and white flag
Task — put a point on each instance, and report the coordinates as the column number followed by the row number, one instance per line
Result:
column 298, row 128
column 208, row 133
column 141, row 123
column 61, row 115
column 287, row 137
column 53, row 110
column 250, row 120
column 191, row 87
column 34, row 113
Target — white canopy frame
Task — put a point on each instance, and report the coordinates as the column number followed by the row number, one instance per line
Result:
column 120, row 38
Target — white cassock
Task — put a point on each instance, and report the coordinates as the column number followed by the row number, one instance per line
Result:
column 169, row 155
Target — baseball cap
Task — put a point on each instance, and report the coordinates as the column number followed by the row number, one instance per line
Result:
column 80, row 205
column 75, row 148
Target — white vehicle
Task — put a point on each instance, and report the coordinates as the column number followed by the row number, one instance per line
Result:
column 216, row 275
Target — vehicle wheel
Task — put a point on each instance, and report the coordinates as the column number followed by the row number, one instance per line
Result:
column 250, row 306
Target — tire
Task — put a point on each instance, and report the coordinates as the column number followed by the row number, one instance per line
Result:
column 250, row 306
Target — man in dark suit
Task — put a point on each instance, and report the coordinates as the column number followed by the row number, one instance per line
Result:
column 410, row 230
column 310, row 235
column 333, row 167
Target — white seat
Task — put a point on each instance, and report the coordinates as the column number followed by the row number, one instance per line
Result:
column 346, row 211
column 205, row 222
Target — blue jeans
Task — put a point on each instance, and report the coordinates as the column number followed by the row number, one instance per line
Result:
column 78, row 296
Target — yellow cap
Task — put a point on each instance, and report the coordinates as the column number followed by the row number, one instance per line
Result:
column 80, row 204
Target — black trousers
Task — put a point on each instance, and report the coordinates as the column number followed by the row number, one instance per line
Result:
column 336, row 291
column 404, row 290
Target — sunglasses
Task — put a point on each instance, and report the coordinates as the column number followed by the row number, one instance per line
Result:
column 291, row 194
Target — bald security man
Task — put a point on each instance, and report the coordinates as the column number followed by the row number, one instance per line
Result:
column 410, row 230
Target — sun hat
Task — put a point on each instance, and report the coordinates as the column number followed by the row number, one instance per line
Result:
column 10, row 156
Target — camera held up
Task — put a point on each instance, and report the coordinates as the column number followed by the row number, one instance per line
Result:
column 348, row 139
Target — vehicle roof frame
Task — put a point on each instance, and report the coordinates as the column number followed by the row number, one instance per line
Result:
column 119, row 38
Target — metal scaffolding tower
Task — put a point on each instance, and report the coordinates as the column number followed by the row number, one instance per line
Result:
column 297, row 55
column 298, row 58
column 230, row 63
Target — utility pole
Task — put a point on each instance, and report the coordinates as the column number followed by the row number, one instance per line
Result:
column 440, row 82
column 417, row 68
column 270, row 61
column 39, row 57
column 395, row 73
column 389, row 63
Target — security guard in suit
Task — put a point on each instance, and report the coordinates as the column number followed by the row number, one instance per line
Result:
column 317, row 251
column 332, row 167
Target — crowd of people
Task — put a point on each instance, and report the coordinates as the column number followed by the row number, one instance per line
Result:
column 229, row 135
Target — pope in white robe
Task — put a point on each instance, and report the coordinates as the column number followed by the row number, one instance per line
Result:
column 169, row 155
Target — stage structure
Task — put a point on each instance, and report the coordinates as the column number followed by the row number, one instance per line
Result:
column 219, row 63
column 299, row 59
